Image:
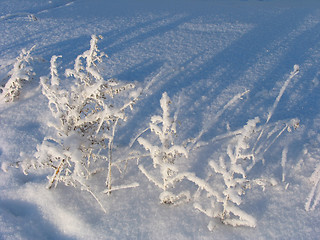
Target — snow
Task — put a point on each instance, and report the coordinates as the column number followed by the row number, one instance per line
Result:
column 224, row 65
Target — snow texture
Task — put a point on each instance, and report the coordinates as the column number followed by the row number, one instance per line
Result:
column 232, row 154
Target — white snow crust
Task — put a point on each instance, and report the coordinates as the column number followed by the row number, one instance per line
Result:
column 243, row 80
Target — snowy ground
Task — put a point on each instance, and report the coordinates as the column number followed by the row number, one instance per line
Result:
column 202, row 53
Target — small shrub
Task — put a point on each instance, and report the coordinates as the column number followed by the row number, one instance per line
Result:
column 229, row 178
column 165, row 154
column 85, row 120
column 231, row 168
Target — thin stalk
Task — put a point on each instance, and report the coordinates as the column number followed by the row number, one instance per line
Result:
column 275, row 104
column 56, row 174
column 110, row 145
column 93, row 195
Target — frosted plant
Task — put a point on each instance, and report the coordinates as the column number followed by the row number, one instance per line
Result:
column 228, row 182
column 165, row 154
column 234, row 174
column 231, row 170
column 314, row 195
column 86, row 117
column 21, row 72
column 246, row 147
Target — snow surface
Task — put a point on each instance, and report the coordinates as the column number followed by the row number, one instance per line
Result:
column 203, row 53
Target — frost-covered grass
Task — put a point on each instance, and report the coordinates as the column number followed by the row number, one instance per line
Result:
column 219, row 129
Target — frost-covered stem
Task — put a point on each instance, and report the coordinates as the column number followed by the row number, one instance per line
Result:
column 276, row 102
column 116, row 188
column 135, row 139
column 53, row 70
column 165, row 115
column 93, row 51
column 266, row 149
column 110, row 145
column 314, row 195
column 282, row 90
column 97, row 199
column 165, row 174
column 273, row 141
column 108, row 182
column 283, row 163
column 93, row 195
column 202, row 184
column 216, row 117
column 150, row 178
column 244, row 218
column 56, row 174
